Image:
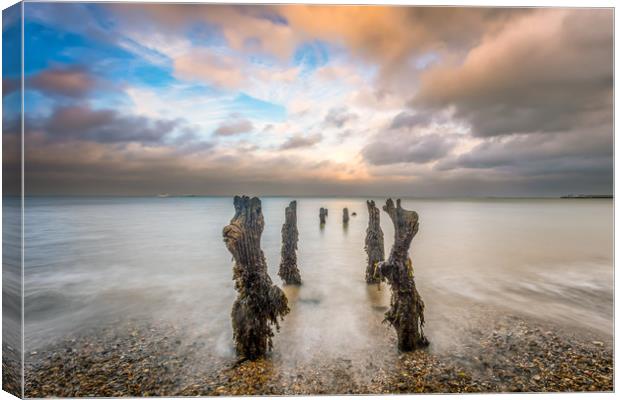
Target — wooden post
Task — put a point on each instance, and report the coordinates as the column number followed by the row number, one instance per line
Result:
column 322, row 215
column 406, row 313
column 288, row 264
column 345, row 215
column 259, row 303
column 374, row 243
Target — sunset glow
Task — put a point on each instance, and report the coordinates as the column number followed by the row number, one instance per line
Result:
column 139, row 99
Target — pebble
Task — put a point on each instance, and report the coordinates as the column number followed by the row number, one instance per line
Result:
column 137, row 359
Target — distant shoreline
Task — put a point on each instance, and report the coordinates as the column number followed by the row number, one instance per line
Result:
column 587, row 196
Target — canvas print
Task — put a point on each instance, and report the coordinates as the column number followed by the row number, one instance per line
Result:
column 231, row 199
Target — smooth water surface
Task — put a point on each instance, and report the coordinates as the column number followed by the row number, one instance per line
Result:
column 96, row 261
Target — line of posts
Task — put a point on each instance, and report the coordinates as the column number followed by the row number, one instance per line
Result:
column 260, row 305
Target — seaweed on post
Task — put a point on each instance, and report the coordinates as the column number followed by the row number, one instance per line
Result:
column 406, row 313
column 290, row 236
column 374, row 243
column 259, row 303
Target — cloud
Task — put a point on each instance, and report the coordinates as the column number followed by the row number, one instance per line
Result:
column 339, row 116
column 299, row 141
column 103, row 168
column 73, row 17
column 403, row 147
column 104, row 126
column 74, row 81
column 532, row 154
column 245, row 28
column 388, row 36
column 411, row 120
column 411, row 100
column 218, row 69
column 234, row 127
column 392, row 34
column 188, row 142
column 548, row 71
column 10, row 85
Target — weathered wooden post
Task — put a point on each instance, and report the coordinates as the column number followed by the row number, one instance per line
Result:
column 374, row 243
column 406, row 313
column 288, row 264
column 322, row 215
column 259, row 303
column 345, row 215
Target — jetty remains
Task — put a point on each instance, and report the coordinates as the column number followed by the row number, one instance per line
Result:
column 290, row 236
column 259, row 304
column 322, row 215
column 374, row 243
column 406, row 313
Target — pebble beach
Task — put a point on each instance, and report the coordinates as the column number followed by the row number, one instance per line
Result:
column 515, row 354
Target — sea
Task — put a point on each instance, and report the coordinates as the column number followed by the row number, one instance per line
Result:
column 93, row 262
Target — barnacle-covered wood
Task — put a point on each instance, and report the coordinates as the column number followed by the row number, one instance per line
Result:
column 288, row 264
column 374, row 242
column 259, row 303
column 406, row 313
column 345, row 215
column 322, row 215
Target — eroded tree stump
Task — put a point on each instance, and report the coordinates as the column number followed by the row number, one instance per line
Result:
column 374, row 243
column 322, row 215
column 345, row 215
column 288, row 264
column 259, row 303
column 406, row 313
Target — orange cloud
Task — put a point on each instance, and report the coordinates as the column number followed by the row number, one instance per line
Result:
column 220, row 70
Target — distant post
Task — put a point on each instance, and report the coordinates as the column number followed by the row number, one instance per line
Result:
column 374, row 243
column 322, row 215
column 259, row 303
column 406, row 313
column 290, row 236
column 345, row 215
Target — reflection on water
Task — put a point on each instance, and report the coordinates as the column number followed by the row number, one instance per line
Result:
column 95, row 261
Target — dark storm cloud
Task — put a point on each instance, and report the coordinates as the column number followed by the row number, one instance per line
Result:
column 104, row 126
column 579, row 154
column 391, row 147
column 339, row 116
column 300, row 141
column 235, row 126
column 410, row 120
column 74, row 82
column 546, row 72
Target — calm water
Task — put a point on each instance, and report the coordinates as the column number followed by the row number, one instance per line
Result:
column 92, row 262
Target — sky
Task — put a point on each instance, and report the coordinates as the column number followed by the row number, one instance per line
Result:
column 141, row 99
